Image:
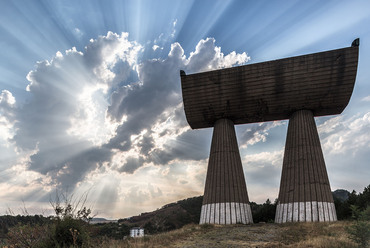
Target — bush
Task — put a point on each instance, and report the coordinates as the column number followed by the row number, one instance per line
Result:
column 359, row 232
column 263, row 212
column 29, row 236
column 71, row 232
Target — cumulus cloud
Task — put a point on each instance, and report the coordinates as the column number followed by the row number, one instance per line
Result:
column 7, row 115
column 208, row 56
column 103, row 109
column 7, row 132
column 6, row 99
column 64, row 121
column 155, row 100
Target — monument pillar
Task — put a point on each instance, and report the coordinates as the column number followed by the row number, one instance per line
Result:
column 305, row 193
column 225, row 199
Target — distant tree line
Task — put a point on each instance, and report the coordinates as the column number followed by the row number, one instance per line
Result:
column 263, row 212
column 9, row 221
column 344, row 204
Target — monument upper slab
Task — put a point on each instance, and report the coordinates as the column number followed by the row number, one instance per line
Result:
column 273, row 90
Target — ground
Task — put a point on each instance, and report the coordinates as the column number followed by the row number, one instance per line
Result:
column 256, row 235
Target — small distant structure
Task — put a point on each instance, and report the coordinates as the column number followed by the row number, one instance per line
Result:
column 136, row 232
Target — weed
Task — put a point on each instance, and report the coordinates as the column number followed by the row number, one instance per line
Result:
column 206, row 226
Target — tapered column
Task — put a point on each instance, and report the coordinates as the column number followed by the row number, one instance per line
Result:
column 225, row 198
column 305, row 193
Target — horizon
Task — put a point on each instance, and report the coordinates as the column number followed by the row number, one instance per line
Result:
column 90, row 97
column 96, row 216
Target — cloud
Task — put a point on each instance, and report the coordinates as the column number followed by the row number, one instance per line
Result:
column 104, row 110
column 132, row 164
column 340, row 135
column 155, row 47
column 64, row 121
column 207, row 56
column 256, row 132
column 78, row 33
column 264, row 167
column 7, row 115
column 174, row 28
column 7, row 132
column 155, row 100
column 345, row 141
column 190, row 145
column 6, row 99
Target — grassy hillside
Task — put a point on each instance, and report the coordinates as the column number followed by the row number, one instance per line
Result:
column 169, row 217
column 257, row 235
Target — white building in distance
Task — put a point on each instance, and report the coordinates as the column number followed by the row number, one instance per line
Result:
column 137, row 232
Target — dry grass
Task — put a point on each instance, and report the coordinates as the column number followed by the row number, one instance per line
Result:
column 167, row 239
column 320, row 235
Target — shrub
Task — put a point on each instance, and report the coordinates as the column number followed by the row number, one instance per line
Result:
column 359, row 232
column 71, row 232
column 29, row 236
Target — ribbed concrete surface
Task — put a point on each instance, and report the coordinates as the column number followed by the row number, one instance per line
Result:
column 305, row 193
column 226, row 213
column 272, row 90
column 305, row 212
column 225, row 198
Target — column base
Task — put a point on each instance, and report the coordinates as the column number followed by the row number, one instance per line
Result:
column 226, row 213
column 305, row 212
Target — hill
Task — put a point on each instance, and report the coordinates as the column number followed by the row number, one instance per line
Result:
column 101, row 220
column 169, row 217
column 341, row 194
column 176, row 215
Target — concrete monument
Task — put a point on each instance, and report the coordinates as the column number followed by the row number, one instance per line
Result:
column 297, row 88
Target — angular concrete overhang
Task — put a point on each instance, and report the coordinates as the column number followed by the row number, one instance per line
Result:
column 321, row 82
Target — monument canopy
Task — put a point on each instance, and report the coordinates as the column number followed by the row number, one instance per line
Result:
column 321, row 82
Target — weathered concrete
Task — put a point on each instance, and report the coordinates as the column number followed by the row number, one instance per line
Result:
column 273, row 90
column 305, row 193
column 226, row 213
column 225, row 198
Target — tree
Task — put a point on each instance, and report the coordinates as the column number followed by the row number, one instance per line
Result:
column 360, row 230
column 72, row 219
column 263, row 212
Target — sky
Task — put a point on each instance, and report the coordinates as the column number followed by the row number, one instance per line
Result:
column 90, row 97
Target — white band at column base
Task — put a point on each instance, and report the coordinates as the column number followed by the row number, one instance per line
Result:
column 305, row 212
column 226, row 213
